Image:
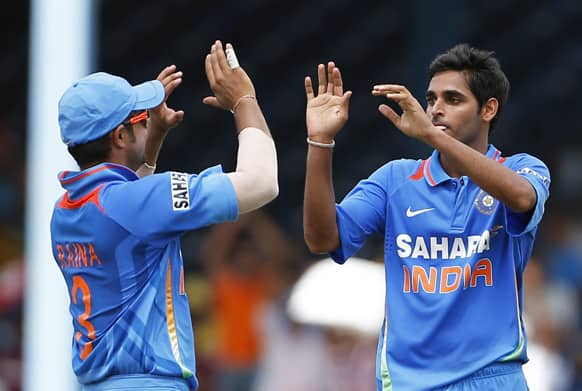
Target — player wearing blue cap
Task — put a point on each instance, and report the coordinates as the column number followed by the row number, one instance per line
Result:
column 458, row 226
column 116, row 237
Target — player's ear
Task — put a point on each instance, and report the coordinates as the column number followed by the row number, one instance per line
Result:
column 489, row 109
column 119, row 136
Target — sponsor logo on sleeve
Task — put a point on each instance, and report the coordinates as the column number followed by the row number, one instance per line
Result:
column 529, row 171
column 180, row 191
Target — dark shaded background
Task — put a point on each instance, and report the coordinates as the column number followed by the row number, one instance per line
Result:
column 539, row 44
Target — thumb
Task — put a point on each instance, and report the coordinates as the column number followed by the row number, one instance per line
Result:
column 211, row 101
column 346, row 100
column 179, row 115
column 390, row 114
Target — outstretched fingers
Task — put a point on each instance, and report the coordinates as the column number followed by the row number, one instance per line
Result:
column 170, row 79
column 209, row 70
column 221, row 57
column 387, row 112
column 330, row 73
column 383, row 89
column 398, row 97
column 338, row 87
column 210, row 100
column 215, row 63
column 308, row 88
column 172, row 83
column 321, row 79
column 166, row 72
column 398, row 94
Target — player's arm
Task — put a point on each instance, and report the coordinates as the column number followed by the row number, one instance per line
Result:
column 501, row 182
column 326, row 114
column 162, row 119
column 506, row 185
column 255, row 177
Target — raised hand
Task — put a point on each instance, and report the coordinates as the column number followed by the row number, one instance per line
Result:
column 413, row 121
column 327, row 112
column 227, row 84
column 164, row 118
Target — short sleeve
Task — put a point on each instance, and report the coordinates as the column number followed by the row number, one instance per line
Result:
column 169, row 204
column 361, row 213
column 538, row 175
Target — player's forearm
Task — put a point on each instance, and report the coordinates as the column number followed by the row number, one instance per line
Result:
column 499, row 181
column 319, row 216
column 255, row 179
column 248, row 114
column 156, row 137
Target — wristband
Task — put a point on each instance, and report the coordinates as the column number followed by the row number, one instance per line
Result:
column 321, row 145
column 239, row 100
column 150, row 167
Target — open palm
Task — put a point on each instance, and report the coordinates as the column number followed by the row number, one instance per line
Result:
column 327, row 112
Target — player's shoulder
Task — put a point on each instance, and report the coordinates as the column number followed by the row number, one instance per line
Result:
column 396, row 173
column 400, row 168
column 521, row 160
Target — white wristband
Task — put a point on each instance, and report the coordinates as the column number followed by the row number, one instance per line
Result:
column 321, row 145
column 153, row 168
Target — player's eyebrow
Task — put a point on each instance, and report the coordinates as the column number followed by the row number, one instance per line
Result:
column 453, row 94
column 447, row 94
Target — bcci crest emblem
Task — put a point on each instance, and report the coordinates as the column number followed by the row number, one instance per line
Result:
column 485, row 203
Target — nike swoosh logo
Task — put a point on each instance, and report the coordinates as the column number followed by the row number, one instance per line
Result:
column 412, row 213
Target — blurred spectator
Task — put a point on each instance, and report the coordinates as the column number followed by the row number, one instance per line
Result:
column 350, row 363
column 11, row 185
column 546, row 370
column 563, row 254
column 293, row 355
column 314, row 358
column 11, row 295
column 245, row 262
column 11, row 261
column 548, row 310
column 200, row 298
column 562, row 264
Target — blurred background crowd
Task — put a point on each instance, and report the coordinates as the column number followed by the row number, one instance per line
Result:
column 240, row 275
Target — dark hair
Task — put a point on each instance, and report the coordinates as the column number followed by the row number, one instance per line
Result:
column 97, row 151
column 91, row 153
column 482, row 72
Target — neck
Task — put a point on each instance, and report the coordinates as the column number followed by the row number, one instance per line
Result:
column 451, row 168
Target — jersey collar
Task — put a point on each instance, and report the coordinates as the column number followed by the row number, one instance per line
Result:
column 434, row 173
column 78, row 183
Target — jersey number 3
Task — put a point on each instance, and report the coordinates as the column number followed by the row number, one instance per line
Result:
column 79, row 283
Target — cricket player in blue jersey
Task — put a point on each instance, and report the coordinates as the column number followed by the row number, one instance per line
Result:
column 116, row 236
column 458, row 226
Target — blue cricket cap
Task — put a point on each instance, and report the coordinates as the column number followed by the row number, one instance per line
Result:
column 100, row 102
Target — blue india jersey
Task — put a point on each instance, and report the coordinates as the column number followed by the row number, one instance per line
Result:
column 116, row 240
column 454, row 261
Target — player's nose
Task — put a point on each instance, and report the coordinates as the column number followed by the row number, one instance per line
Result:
column 436, row 109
